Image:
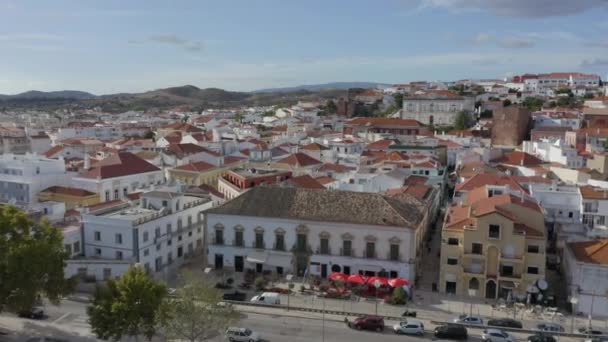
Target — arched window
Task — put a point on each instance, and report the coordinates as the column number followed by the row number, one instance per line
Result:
column 473, row 284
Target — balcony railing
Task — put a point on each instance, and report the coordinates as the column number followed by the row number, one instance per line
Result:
column 371, row 255
column 279, row 247
column 512, row 275
column 238, row 243
column 324, row 251
column 393, row 257
column 347, row 252
column 259, row 245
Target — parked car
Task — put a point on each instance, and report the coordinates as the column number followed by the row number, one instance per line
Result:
column 469, row 319
column 235, row 334
column 410, row 327
column 550, row 327
column 368, row 322
column 496, row 335
column 451, row 331
column 271, row 298
column 590, row 331
column 236, row 296
column 33, row 313
column 505, row 322
column 541, row 338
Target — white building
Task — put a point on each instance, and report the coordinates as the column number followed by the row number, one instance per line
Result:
column 115, row 177
column 594, row 209
column 586, row 270
column 436, row 107
column 22, row 177
column 554, row 151
column 560, row 203
column 159, row 233
column 289, row 230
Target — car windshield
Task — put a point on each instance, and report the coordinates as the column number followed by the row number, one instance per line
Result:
column 247, row 332
column 462, row 316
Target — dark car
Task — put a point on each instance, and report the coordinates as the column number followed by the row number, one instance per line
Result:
column 505, row 322
column 541, row 338
column 368, row 323
column 590, row 331
column 236, row 296
column 451, row 331
column 33, row 313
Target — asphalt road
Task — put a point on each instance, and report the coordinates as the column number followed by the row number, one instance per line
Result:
column 280, row 328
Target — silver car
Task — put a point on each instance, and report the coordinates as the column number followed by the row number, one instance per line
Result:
column 496, row 335
column 241, row 335
column 469, row 319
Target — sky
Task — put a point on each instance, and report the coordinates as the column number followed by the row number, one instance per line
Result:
column 112, row 46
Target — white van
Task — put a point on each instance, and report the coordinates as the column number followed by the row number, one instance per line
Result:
column 270, row 298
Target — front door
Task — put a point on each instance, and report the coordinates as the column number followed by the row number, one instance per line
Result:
column 238, row 263
column 258, row 268
column 323, row 271
column 491, row 289
column 219, row 261
column 347, row 270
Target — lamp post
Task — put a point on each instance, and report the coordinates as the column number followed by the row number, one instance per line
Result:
column 472, row 294
column 573, row 301
column 377, row 285
column 289, row 277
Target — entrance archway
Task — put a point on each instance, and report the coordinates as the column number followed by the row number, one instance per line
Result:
column 491, row 289
column 473, row 284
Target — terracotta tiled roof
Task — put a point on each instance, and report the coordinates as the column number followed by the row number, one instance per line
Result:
column 68, row 191
column 482, row 179
column 324, row 180
column 199, row 166
column 382, row 144
column 384, row 122
column 518, row 158
column 419, row 191
column 299, row 160
column 182, row 126
column 416, row 180
column 182, row 150
column 50, row 153
column 305, row 181
column 118, row 165
column 232, row 159
column 589, row 192
column 335, row 168
column 592, row 252
column 314, row 147
column 134, row 196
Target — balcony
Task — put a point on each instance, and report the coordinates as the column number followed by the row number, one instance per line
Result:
column 259, row 245
column 371, row 255
column 512, row 257
column 238, row 243
column 323, row 251
column 473, row 270
column 510, row 275
column 279, row 247
column 347, row 252
column 473, row 255
column 393, row 257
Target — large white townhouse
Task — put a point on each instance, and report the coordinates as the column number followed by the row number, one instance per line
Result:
column 158, row 232
column 298, row 231
column 22, row 177
column 116, row 176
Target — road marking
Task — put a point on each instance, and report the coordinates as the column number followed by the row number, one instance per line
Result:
column 62, row 317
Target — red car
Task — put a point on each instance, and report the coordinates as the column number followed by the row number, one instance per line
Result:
column 368, row 323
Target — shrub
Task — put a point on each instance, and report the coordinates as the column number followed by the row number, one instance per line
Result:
column 260, row 283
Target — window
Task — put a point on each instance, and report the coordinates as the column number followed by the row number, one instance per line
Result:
column 118, row 255
column 533, row 249
column 301, row 242
column 116, row 194
column 394, row 252
column 324, row 248
column 179, row 224
column 169, row 258
column 97, row 236
column 189, row 221
column 453, row 241
column 165, row 204
column 238, row 238
column 180, row 251
column 146, row 236
column 532, row 270
column 68, row 248
column 280, row 242
column 347, row 248
column 506, row 270
column 107, row 196
column 189, row 233
column 169, row 242
column 179, row 238
column 476, row 248
column 124, row 191
column 494, row 231
column 97, row 251
column 118, row 239
column 146, row 252
column 157, row 232
column 219, row 237
column 259, row 240
column 76, row 247
column 452, row 261
column 370, row 250
column 158, row 247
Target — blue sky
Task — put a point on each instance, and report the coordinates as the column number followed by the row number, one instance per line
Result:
column 130, row 46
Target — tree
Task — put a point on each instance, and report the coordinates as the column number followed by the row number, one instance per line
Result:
column 149, row 135
column 461, row 121
column 238, row 117
column 486, row 113
column 196, row 312
column 506, row 103
column 398, row 100
column 32, row 260
column 588, row 96
column 399, row 297
column 330, row 107
column 127, row 306
column 533, row 103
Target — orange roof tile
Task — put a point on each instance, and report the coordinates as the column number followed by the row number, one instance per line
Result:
column 593, row 252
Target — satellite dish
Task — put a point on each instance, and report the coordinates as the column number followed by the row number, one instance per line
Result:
column 532, row 289
column 542, row 284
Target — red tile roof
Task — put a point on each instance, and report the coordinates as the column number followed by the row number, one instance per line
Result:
column 592, row 252
column 518, row 158
column 419, row 191
column 68, row 191
column 182, row 126
column 335, row 168
column 384, row 122
column 299, row 160
column 589, row 192
column 119, row 165
column 314, row 147
column 182, row 150
column 482, row 179
column 305, row 181
column 53, row 151
column 382, row 144
column 199, row 166
column 415, row 180
column 232, row 159
column 324, row 180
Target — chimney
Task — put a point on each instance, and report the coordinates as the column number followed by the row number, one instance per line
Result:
column 87, row 162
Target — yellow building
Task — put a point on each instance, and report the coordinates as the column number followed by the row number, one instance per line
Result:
column 72, row 197
column 492, row 245
column 198, row 173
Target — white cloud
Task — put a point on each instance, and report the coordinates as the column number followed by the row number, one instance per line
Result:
column 482, row 38
column 515, row 43
column 519, row 8
column 172, row 39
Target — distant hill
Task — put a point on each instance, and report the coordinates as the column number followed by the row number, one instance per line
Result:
column 51, row 95
column 324, row 86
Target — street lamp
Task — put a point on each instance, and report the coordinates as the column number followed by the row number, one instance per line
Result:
column 573, row 301
column 289, row 277
column 472, row 294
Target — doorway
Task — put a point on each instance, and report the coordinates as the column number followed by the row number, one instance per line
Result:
column 347, row 270
column 491, row 289
column 323, row 271
column 259, row 268
column 238, row 263
column 219, row 261
column 450, row 287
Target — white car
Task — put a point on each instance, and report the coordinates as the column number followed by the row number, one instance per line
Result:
column 242, row 335
column 410, row 327
column 468, row 319
column 496, row 335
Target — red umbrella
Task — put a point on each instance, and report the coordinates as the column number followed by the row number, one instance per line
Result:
column 356, row 279
column 337, row 276
column 375, row 280
column 397, row 282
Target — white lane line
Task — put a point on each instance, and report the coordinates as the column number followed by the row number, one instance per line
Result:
column 62, row 317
